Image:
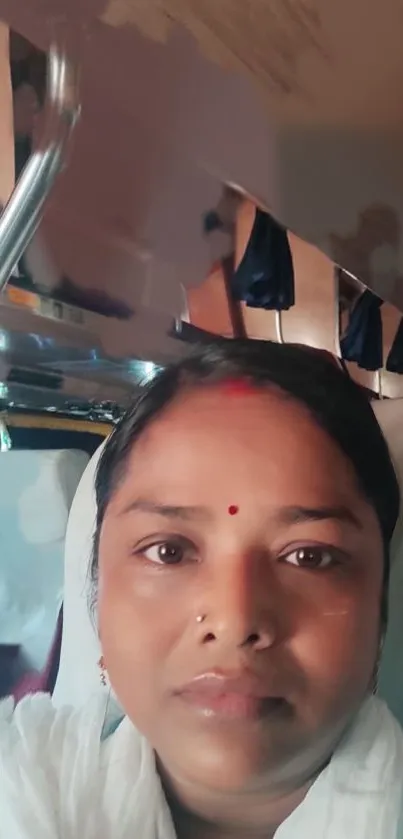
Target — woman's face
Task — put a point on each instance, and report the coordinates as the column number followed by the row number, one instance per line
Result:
column 240, row 583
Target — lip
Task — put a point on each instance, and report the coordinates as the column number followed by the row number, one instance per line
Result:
column 239, row 696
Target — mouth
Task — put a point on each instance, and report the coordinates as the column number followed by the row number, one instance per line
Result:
column 232, row 698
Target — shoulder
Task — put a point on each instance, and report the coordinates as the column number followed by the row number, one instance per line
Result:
column 43, row 752
column 61, row 776
column 35, row 730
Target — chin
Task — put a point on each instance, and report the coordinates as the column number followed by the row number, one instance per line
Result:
column 224, row 774
column 228, row 763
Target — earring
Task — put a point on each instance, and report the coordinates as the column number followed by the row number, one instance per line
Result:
column 102, row 671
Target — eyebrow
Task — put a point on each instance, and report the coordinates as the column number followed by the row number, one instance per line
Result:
column 299, row 515
column 169, row 511
column 292, row 515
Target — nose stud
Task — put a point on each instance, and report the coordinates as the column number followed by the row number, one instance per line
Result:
column 201, row 618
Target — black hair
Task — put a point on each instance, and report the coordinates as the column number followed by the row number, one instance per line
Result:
column 312, row 377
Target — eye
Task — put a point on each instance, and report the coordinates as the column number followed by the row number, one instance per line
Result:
column 311, row 558
column 168, row 552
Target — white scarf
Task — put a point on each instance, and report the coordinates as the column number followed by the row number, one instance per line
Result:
column 59, row 781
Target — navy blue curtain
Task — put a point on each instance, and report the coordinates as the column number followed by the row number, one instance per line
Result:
column 265, row 276
column 362, row 341
column 395, row 358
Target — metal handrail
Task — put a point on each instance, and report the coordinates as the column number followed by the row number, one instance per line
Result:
column 23, row 212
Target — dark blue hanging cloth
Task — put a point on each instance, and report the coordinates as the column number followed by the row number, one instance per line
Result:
column 265, row 276
column 394, row 363
column 362, row 341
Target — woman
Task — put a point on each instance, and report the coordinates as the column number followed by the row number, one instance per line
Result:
column 246, row 506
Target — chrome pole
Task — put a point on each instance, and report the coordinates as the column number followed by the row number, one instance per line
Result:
column 279, row 327
column 23, row 212
column 337, row 313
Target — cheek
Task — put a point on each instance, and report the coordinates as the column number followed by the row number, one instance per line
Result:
column 337, row 644
column 135, row 631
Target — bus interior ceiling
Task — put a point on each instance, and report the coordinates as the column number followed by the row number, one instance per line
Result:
column 121, row 258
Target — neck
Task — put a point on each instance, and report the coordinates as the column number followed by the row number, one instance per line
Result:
column 193, row 828
column 205, row 815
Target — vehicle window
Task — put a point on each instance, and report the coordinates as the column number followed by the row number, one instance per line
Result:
column 39, row 475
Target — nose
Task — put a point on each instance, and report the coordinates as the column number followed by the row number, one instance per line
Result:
column 240, row 607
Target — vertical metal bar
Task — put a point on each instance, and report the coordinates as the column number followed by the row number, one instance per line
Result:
column 279, row 327
column 379, row 383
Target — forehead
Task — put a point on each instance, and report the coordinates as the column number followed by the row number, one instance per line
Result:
column 208, row 442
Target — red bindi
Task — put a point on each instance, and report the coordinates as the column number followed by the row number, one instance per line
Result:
column 233, row 510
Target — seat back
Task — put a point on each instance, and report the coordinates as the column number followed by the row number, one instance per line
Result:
column 36, row 492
